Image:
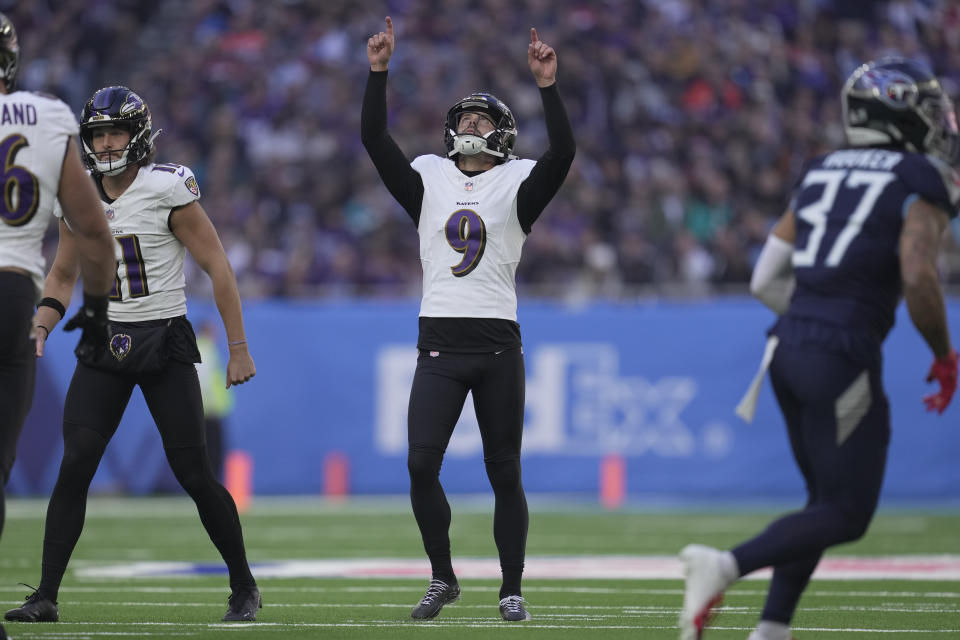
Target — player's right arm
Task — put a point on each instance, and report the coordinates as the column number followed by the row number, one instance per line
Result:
column 920, row 236
column 57, row 287
column 401, row 180
column 82, row 209
column 95, row 257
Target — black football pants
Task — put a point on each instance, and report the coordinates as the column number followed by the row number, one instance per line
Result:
column 440, row 387
column 18, row 366
column 92, row 411
column 838, row 420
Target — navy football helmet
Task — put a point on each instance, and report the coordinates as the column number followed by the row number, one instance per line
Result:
column 119, row 107
column 9, row 53
column 498, row 143
column 898, row 102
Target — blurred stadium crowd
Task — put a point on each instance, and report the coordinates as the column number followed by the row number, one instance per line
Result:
column 692, row 119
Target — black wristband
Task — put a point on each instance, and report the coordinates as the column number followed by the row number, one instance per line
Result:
column 54, row 304
column 95, row 303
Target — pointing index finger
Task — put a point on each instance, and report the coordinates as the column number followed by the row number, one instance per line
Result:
column 389, row 27
column 533, row 35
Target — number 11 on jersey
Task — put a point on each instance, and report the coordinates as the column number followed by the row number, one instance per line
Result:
column 135, row 269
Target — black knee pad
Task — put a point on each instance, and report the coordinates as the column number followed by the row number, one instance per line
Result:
column 504, row 474
column 424, row 466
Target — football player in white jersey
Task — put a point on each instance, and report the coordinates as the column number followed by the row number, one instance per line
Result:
column 155, row 216
column 473, row 208
column 39, row 163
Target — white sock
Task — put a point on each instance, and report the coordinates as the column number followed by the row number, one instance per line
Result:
column 768, row 630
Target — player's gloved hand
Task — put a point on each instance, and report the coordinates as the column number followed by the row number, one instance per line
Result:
column 944, row 371
column 92, row 320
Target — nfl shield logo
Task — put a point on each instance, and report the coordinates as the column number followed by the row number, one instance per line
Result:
column 109, row 213
column 468, row 186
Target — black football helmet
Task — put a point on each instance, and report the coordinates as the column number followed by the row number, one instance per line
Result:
column 498, row 143
column 119, row 107
column 9, row 53
column 898, row 102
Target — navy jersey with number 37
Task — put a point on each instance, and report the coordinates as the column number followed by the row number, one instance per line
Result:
column 849, row 207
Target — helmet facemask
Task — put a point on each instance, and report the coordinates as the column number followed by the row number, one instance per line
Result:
column 471, row 143
column 498, row 142
column 103, row 162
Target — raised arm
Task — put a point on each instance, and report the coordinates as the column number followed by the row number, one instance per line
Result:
column 193, row 228
column 919, row 239
column 552, row 167
column 398, row 176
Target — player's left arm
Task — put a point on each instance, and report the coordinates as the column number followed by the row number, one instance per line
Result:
column 552, row 167
column 920, row 236
column 192, row 227
column 773, row 281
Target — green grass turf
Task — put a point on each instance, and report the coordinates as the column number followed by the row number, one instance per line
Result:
column 128, row 530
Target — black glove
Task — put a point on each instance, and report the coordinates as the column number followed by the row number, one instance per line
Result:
column 92, row 320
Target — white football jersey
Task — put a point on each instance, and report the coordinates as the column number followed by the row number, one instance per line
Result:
column 470, row 239
column 34, row 131
column 149, row 283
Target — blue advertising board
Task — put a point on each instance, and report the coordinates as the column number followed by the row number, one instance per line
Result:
column 653, row 382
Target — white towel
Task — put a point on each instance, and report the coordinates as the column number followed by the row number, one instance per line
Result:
column 748, row 404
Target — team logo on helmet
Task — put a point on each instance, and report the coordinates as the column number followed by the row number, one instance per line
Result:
column 120, row 345
column 894, row 88
column 132, row 104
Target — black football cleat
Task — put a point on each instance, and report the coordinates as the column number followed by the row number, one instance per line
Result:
column 512, row 609
column 438, row 594
column 244, row 603
column 35, row 609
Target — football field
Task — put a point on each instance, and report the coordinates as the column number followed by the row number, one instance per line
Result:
column 144, row 568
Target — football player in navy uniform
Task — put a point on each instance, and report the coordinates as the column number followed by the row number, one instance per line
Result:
column 40, row 163
column 473, row 208
column 862, row 229
column 155, row 216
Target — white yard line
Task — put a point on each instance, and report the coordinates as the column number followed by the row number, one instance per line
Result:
column 621, row 567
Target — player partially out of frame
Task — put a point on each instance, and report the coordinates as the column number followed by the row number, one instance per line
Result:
column 863, row 227
column 39, row 163
column 473, row 208
column 155, row 216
